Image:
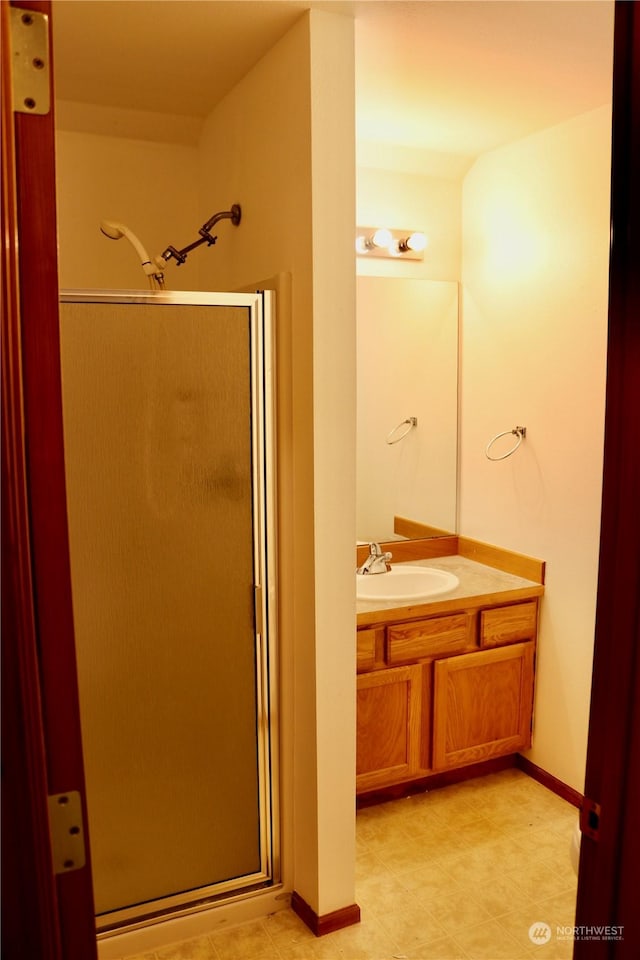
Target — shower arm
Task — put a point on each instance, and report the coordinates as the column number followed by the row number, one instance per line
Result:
column 205, row 235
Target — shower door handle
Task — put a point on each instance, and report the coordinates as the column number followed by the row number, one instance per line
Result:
column 257, row 606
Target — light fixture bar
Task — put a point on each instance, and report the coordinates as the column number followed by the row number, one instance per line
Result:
column 392, row 244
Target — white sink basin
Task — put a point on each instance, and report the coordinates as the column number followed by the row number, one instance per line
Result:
column 404, row 583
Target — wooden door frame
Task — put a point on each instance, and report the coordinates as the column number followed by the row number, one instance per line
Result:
column 45, row 914
column 26, row 868
column 608, row 865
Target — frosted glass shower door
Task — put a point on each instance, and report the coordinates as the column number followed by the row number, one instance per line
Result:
column 165, row 455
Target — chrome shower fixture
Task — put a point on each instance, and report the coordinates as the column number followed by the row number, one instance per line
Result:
column 180, row 256
column 154, row 269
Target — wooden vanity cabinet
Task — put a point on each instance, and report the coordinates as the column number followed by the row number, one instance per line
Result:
column 444, row 691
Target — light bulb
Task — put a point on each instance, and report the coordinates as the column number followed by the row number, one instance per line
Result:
column 416, row 242
column 382, row 238
column 361, row 245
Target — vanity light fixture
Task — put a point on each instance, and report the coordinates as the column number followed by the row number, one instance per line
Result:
column 397, row 244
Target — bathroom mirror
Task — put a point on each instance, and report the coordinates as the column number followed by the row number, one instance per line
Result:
column 407, row 369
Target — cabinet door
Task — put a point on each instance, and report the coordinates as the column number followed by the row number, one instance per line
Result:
column 389, row 726
column 482, row 705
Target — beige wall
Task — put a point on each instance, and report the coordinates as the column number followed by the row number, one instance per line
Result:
column 151, row 187
column 334, row 424
column 271, row 143
column 535, row 279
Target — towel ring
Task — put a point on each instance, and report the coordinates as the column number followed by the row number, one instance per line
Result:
column 519, row 432
column 411, row 421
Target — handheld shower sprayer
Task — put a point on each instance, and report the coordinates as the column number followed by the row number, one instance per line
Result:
column 154, row 269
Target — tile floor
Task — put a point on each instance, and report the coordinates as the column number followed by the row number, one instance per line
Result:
column 460, row 873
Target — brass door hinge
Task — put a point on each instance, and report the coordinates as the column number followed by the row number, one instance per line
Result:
column 590, row 818
column 67, row 834
column 30, row 61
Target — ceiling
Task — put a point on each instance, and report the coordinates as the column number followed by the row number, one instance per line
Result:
column 451, row 76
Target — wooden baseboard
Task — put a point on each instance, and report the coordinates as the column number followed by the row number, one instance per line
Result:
column 548, row 780
column 328, row 922
column 458, row 775
column 434, row 781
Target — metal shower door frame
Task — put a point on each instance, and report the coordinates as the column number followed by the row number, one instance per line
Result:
column 261, row 310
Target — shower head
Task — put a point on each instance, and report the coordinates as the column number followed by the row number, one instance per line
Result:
column 115, row 231
column 112, row 230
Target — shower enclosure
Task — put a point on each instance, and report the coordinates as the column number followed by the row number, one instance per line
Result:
column 168, row 419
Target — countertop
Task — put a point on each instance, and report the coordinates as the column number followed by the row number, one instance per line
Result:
column 479, row 584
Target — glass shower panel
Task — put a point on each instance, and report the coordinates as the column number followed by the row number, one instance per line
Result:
column 158, row 441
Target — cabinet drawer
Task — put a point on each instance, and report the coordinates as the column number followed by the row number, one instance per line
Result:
column 427, row 638
column 366, row 650
column 508, row 624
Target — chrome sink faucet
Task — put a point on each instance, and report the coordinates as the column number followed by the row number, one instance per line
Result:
column 376, row 562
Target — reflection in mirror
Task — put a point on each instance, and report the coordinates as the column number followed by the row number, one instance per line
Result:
column 407, row 366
